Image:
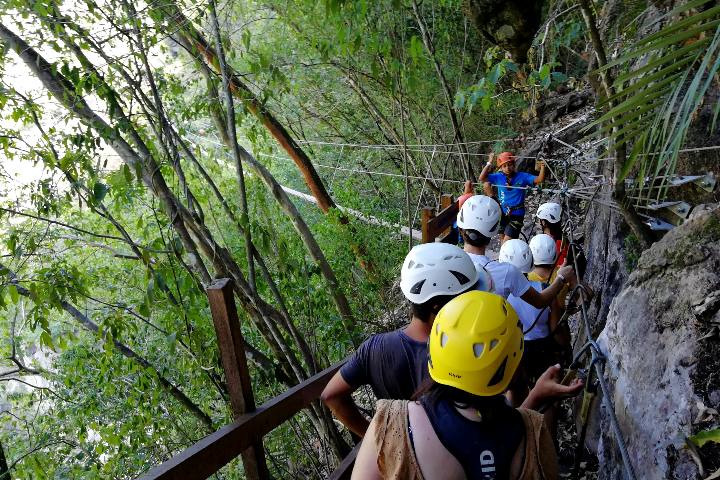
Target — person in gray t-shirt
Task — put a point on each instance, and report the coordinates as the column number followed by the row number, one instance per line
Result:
column 394, row 364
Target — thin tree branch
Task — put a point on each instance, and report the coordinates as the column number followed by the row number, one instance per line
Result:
column 232, row 134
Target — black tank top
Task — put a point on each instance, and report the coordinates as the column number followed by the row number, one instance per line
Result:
column 484, row 449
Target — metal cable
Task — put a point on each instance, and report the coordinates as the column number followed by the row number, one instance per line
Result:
column 597, row 357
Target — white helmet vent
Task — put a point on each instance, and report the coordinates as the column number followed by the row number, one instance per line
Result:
column 415, row 290
column 463, row 279
column 480, row 213
column 494, row 343
column 443, row 339
column 543, row 249
column 478, row 349
column 551, row 212
column 433, row 269
column 516, row 252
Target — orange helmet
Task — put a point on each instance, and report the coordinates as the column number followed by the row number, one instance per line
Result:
column 504, row 158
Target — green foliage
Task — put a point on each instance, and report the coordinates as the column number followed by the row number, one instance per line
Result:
column 701, row 438
column 484, row 91
column 633, row 250
column 101, row 240
column 501, row 72
column 665, row 78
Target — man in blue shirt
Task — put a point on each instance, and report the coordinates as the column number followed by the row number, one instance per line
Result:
column 511, row 187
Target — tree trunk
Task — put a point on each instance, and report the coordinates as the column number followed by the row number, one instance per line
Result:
column 184, row 27
column 627, row 210
column 4, row 471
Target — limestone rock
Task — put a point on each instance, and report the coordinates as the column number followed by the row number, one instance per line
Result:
column 510, row 24
column 662, row 354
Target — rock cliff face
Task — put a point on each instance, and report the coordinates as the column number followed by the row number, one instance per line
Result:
column 511, row 24
column 663, row 362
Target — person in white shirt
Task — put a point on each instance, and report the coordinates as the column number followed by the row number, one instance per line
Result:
column 518, row 253
column 479, row 221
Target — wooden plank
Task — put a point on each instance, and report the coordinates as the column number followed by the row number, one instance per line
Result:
column 237, row 374
column 443, row 220
column 452, row 237
column 211, row 453
column 445, row 201
column 427, row 215
column 344, row 470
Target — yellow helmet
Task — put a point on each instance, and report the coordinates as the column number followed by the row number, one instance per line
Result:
column 476, row 344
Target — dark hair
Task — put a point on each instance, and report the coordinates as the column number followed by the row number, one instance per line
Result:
column 424, row 311
column 555, row 228
column 474, row 238
column 548, row 265
column 490, row 408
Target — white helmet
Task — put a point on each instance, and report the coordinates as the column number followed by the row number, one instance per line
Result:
column 433, row 269
column 516, row 252
column 543, row 249
column 549, row 211
column 480, row 213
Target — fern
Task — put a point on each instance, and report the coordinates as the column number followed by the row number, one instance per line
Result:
column 653, row 105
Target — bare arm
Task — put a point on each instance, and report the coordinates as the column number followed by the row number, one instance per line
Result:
column 548, row 388
column 541, row 176
column 487, row 168
column 338, row 397
column 545, row 298
column 366, row 467
column 488, row 189
column 469, row 188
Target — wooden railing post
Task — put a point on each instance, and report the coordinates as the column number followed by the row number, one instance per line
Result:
column 427, row 215
column 445, row 201
column 237, row 375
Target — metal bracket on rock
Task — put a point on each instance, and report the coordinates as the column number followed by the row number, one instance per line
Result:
column 658, row 224
column 706, row 182
column 678, row 211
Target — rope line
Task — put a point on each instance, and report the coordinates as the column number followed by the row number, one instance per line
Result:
column 430, row 147
column 414, row 177
column 418, row 145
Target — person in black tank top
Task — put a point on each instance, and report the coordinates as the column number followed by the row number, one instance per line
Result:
column 474, row 350
column 460, row 426
column 484, row 448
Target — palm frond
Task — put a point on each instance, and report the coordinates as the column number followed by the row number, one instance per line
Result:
column 654, row 103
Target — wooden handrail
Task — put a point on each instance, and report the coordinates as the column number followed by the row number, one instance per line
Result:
column 344, row 470
column 434, row 226
column 211, row 453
